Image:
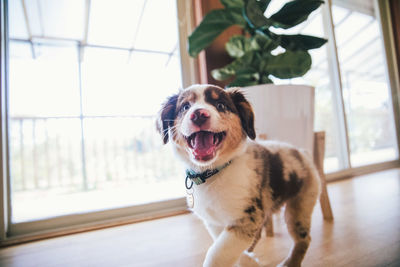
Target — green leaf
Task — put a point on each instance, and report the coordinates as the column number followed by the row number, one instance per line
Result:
column 294, row 12
column 242, row 82
column 301, row 42
column 231, row 69
column 254, row 15
column 265, row 42
column 263, row 4
column 213, row 24
column 232, row 3
column 248, row 72
column 238, row 45
column 265, row 79
column 246, row 77
column 289, row 64
column 222, row 74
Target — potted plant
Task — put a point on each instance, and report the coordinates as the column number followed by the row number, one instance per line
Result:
column 254, row 62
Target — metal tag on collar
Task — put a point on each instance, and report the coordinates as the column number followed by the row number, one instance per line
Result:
column 190, row 199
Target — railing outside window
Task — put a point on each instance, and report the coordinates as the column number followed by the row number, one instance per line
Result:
column 45, row 156
column 120, row 152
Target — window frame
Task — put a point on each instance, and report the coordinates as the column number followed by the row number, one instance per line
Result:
column 4, row 185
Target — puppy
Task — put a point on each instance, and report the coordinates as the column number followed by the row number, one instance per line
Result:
column 236, row 183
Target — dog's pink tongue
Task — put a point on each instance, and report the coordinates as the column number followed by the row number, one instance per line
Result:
column 203, row 146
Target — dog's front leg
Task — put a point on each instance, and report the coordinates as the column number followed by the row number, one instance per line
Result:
column 227, row 248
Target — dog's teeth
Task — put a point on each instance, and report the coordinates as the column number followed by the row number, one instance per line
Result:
column 192, row 142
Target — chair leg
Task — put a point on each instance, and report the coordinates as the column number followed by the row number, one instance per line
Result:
column 319, row 152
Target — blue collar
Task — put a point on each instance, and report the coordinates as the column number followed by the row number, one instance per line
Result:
column 201, row 177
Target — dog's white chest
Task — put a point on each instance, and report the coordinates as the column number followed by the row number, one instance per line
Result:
column 222, row 201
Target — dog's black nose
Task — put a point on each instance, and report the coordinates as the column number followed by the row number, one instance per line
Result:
column 199, row 116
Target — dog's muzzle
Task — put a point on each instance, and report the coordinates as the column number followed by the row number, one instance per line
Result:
column 204, row 144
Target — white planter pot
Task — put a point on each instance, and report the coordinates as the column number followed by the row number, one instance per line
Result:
column 283, row 112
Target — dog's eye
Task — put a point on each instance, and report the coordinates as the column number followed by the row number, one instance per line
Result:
column 221, row 106
column 185, row 107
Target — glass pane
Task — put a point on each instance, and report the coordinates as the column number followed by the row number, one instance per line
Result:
column 33, row 17
column 46, row 166
column 82, row 116
column 17, row 22
column 366, row 91
column 156, row 34
column 119, row 83
column 60, row 19
column 115, row 24
column 126, row 160
column 43, row 80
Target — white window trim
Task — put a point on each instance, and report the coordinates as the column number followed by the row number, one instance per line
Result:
column 186, row 24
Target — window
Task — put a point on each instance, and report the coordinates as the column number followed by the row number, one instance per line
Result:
column 86, row 79
column 366, row 92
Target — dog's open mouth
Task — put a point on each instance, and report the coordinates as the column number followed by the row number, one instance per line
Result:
column 204, row 144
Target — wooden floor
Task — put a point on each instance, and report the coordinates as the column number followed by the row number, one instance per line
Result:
column 365, row 232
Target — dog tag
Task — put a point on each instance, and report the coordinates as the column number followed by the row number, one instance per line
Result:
column 190, row 199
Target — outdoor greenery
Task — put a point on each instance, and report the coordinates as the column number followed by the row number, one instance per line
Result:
column 253, row 58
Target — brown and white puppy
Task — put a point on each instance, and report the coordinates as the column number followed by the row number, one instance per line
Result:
column 208, row 127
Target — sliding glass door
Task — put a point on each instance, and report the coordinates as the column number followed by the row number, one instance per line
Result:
column 86, row 79
column 365, row 86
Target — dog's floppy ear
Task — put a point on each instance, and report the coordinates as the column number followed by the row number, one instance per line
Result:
column 245, row 111
column 166, row 117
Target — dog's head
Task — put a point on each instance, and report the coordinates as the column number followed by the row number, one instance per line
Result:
column 206, row 123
